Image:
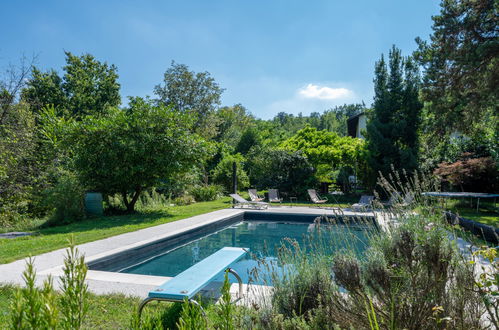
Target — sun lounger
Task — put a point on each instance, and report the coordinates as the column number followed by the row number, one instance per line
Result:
column 243, row 202
column 189, row 283
column 274, row 196
column 315, row 198
column 254, row 196
column 396, row 200
column 364, row 203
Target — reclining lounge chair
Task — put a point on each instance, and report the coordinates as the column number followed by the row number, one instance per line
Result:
column 254, row 196
column 274, row 196
column 315, row 198
column 243, row 202
column 364, row 203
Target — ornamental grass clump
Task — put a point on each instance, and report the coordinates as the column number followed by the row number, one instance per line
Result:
column 412, row 275
column 405, row 275
column 301, row 276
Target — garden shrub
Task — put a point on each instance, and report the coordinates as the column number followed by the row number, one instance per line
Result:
column 73, row 302
column 184, row 200
column 151, row 200
column 305, row 285
column 470, row 174
column 39, row 308
column 206, row 193
column 114, row 204
column 66, row 199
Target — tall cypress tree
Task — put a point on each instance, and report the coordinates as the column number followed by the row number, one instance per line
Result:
column 392, row 138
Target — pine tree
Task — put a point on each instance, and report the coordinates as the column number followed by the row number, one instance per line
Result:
column 392, row 131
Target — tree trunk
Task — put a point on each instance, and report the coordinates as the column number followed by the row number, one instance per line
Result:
column 130, row 205
column 125, row 198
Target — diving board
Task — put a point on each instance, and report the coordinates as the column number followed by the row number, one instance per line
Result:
column 188, row 283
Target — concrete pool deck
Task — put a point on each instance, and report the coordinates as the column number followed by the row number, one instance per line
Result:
column 102, row 282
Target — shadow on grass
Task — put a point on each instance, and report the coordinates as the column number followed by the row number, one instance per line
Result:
column 143, row 218
column 106, row 222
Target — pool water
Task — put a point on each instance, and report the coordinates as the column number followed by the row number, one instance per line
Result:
column 263, row 238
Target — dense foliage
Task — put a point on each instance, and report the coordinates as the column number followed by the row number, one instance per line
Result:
column 195, row 93
column 288, row 171
column 470, row 174
column 460, row 83
column 87, row 87
column 18, row 166
column 461, row 67
column 325, row 150
column 392, row 132
column 127, row 151
column 222, row 173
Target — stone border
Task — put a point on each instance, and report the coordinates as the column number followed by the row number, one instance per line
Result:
column 486, row 232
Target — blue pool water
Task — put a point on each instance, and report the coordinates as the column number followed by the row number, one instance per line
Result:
column 261, row 237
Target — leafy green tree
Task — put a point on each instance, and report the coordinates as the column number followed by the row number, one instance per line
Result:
column 24, row 158
column 249, row 139
column 222, row 173
column 461, row 67
column 392, row 138
column 196, row 93
column 18, row 165
column 91, row 86
column 233, row 121
column 45, row 88
column 288, row 171
column 17, row 145
column 87, row 87
column 325, row 148
column 128, row 151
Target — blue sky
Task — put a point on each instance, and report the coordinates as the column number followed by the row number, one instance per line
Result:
column 271, row 56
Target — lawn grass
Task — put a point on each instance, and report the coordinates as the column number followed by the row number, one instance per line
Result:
column 53, row 238
column 484, row 216
column 487, row 213
column 105, row 311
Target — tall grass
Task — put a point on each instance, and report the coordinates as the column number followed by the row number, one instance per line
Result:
column 149, row 201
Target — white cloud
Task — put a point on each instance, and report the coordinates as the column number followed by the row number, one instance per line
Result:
column 312, row 91
column 267, row 96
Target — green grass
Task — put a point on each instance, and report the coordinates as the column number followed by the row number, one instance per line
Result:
column 53, row 238
column 105, row 311
column 484, row 216
column 487, row 213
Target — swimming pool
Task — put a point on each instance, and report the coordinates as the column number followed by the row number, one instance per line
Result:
column 262, row 236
